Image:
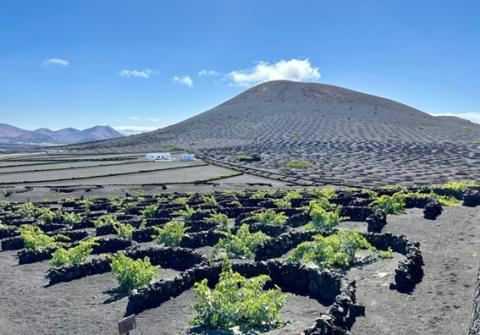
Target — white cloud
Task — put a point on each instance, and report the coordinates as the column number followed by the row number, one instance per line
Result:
column 56, row 61
column 132, row 130
column 208, row 73
column 293, row 69
column 144, row 74
column 183, row 80
column 472, row 116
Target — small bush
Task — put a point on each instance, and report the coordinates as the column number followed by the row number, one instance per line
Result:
column 326, row 193
column 27, row 210
column 248, row 157
column 129, row 207
column 444, row 200
column 4, row 204
column 124, row 230
column 45, row 215
column 180, row 201
column 242, row 244
column 35, row 239
column 283, row 203
column 4, row 227
column 87, row 203
column 69, row 218
column 260, row 194
column 132, row 274
column 237, row 301
column 105, row 220
column 297, row 164
column 334, row 251
column 269, row 216
column 210, row 200
column 150, row 211
column 459, row 186
column 75, row 255
column 321, row 218
column 394, row 204
column 170, row 234
column 114, row 201
column 293, row 194
column 186, row 213
column 219, row 218
column 385, row 254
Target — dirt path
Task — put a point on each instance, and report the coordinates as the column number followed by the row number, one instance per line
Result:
column 443, row 301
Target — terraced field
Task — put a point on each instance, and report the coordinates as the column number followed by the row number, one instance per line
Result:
column 394, row 282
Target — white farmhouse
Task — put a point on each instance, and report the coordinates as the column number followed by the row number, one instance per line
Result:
column 187, row 157
column 158, row 156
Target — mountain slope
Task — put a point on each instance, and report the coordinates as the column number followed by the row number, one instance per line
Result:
column 285, row 111
column 43, row 136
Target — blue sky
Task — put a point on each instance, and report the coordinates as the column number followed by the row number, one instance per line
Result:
column 146, row 64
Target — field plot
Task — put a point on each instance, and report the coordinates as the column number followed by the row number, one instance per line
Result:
column 90, row 172
column 60, row 261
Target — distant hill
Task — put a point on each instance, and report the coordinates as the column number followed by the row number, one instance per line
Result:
column 286, row 112
column 10, row 135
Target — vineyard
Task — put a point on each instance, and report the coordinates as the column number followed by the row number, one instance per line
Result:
column 232, row 260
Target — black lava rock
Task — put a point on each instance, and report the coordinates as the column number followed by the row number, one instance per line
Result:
column 432, row 209
column 471, row 198
column 376, row 221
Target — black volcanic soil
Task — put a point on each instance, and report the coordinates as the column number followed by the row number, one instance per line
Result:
column 442, row 303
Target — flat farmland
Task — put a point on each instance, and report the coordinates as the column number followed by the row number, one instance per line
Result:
column 180, row 175
column 92, row 171
column 33, row 167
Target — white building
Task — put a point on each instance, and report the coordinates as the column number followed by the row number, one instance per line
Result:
column 187, row 157
column 158, row 156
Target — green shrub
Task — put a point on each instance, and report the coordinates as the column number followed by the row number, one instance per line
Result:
column 269, row 216
column 170, row 234
column 124, row 230
column 35, row 239
column 236, row 203
column 180, row 201
column 321, row 218
column 132, row 274
column 334, row 251
column 260, row 194
column 459, row 186
column 444, row 200
column 114, row 201
column 394, row 204
column 69, row 218
column 248, row 157
column 75, row 255
column 129, row 207
column 4, row 227
column 237, row 301
column 150, row 211
column 27, row 210
column 370, row 193
column 242, row 244
column 293, row 194
column 209, row 200
column 46, row 215
column 105, row 220
column 283, row 203
column 4, row 204
column 87, row 203
column 385, row 254
column 297, row 164
column 219, row 218
column 324, row 193
column 186, row 213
